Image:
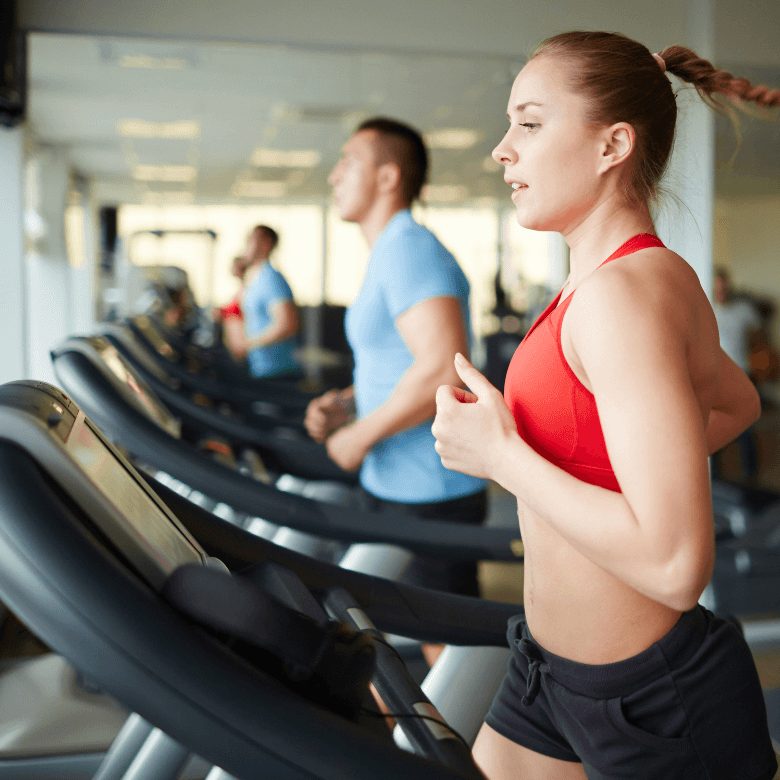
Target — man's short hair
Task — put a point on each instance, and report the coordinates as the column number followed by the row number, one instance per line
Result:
column 401, row 144
column 269, row 233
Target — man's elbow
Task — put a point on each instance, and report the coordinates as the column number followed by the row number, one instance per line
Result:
column 292, row 325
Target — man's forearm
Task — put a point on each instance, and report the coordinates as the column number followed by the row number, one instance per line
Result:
column 270, row 335
column 411, row 403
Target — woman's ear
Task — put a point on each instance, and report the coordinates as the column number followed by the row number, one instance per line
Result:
column 617, row 145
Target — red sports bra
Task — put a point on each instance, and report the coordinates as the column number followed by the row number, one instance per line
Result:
column 554, row 412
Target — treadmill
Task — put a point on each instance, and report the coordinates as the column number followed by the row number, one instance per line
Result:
column 284, row 449
column 262, row 413
column 254, row 657
column 217, row 381
column 114, row 405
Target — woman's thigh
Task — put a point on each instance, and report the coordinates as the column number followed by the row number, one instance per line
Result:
column 501, row 759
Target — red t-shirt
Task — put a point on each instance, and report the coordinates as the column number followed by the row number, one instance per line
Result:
column 231, row 310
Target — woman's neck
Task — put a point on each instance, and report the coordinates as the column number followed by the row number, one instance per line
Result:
column 598, row 235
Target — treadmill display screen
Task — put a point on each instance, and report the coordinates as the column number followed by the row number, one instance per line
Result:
column 151, row 406
column 147, row 536
column 155, row 339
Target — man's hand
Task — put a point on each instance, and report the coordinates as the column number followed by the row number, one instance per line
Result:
column 347, row 447
column 327, row 413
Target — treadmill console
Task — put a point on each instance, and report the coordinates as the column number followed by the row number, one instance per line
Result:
column 139, row 390
column 144, row 324
column 55, row 432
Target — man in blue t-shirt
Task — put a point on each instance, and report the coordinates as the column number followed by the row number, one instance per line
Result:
column 270, row 315
column 409, row 320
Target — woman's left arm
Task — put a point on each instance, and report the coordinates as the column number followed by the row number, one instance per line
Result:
column 657, row 535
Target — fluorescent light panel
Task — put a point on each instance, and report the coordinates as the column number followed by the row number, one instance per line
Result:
column 290, row 158
column 182, row 129
column 148, row 62
column 181, row 173
column 489, row 165
column 168, row 196
column 260, row 189
column 452, row 138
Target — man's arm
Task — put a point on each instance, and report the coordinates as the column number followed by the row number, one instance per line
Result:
column 234, row 338
column 283, row 325
column 433, row 331
column 329, row 412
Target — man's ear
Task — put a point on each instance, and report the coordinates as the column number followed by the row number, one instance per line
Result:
column 389, row 177
column 618, row 143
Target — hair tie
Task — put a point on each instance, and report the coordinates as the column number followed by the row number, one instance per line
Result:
column 661, row 62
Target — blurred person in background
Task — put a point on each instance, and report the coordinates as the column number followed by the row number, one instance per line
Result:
column 738, row 322
column 270, row 315
column 230, row 318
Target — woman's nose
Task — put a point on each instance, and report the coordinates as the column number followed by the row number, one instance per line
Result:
column 503, row 154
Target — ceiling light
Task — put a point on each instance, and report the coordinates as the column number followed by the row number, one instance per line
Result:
column 164, row 172
column 489, row 165
column 182, row 129
column 148, row 62
column 452, row 138
column 168, row 196
column 260, row 189
column 291, row 158
column 285, row 113
column 444, row 193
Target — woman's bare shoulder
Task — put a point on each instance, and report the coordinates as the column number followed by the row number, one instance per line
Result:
column 656, row 280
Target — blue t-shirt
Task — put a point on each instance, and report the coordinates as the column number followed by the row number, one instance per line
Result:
column 408, row 265
column 267, row 288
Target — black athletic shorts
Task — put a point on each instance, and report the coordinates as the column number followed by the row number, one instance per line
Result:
column 688, row 707
column 438, row 573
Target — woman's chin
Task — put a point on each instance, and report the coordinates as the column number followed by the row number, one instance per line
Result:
column 530, row 223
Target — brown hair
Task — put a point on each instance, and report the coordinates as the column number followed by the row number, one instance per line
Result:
column 401, row 144
column 623, row 82
column 269, row 233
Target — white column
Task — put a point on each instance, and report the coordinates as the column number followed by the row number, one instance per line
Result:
column 559, row 261
column 48, row 271
column 13, row 340
column 686, row 225
column 83, row 259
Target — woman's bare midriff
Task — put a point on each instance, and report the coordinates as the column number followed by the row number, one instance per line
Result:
column 577, row 610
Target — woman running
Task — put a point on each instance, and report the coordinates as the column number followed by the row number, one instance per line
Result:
column 612, row 403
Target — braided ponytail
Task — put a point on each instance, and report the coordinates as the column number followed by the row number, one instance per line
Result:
column 709, row 81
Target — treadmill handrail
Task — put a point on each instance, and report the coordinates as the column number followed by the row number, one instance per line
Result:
column 83, row 603
column 303, row 457
column 396, row 607
column 140, row 436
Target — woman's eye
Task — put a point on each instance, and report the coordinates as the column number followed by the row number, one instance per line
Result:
column 529, row 125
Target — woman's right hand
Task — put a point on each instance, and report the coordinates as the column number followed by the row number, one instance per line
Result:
column 471, row 427
column 327, row 413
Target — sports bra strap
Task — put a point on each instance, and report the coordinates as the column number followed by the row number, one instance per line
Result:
column 634, row 244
